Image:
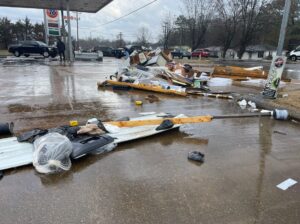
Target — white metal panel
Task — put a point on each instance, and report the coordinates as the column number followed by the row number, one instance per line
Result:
column 14, row 153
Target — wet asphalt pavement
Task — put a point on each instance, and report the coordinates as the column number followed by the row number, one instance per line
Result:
column 149, row 180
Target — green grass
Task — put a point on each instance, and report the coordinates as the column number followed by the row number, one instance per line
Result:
column 4, row 53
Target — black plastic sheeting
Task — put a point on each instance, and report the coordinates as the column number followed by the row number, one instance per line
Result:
column 196, row 156
column 6, row 128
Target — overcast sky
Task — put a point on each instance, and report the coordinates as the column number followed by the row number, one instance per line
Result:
column 90, row 24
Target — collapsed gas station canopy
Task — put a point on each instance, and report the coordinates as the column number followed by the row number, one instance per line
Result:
column 75, row 5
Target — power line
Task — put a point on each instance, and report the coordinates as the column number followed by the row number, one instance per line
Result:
column 128, row 13
column 121, row 16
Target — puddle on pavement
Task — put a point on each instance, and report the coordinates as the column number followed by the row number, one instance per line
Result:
column 244, row 158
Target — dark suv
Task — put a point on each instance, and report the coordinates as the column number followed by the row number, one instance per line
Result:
column 107, row 51
column 118, row 53
column 32, row 47
column 180, row 54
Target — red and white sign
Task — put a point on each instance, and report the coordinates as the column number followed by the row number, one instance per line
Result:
column 52, row 22
column 52, row 13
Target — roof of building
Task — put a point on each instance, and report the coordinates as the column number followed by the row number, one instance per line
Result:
column 92, row 6
column 213, row 48
column 260, row 47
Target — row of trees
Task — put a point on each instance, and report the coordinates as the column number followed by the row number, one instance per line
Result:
column 21, row 30
column 228, row 23
column 24, row 30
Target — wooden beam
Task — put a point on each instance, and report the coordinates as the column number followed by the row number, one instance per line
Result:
column 152, row 88
column 238, row 72
column 183, row 120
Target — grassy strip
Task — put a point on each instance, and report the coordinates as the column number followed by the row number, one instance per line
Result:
column 4, row 53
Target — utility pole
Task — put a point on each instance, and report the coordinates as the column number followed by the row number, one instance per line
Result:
column 165, row 35
column 284, row 23
column 71, row 58
column 46, row 28
column 181, row 36
column 120, row 39
column 77, row 45
column 63, row 33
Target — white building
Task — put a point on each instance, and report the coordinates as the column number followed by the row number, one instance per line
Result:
column 253, row 52
column 258, row 52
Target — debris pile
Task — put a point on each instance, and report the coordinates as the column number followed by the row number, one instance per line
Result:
column 155, row 71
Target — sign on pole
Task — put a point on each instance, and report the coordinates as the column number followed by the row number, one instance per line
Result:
column 71, row 18
column 52, row 21
column 274, row 76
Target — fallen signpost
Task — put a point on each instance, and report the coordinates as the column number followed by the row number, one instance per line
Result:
column 276, row 114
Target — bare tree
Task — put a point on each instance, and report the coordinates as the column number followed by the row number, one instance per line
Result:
column 228, row 19
column 28, row 28
column 251, row 22
column 38, row 31
column 198, row 14
column 181, row 34
column 167, row 27
column 143, row 36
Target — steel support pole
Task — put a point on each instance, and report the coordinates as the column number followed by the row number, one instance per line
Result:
column 63, row 26
column 69, row 33
column 46, row 27
column 284, row 22
column 63, row 33
column 77, row 44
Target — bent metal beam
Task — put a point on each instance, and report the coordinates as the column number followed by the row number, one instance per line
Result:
column 91, row 6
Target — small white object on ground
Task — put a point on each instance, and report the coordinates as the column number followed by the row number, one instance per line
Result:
column 285, row 95
column 286, row 184
column 219, row 82
column 254, row 68
column 265, row 111
column 252, row 104
column 146, row 113
column 92, row 121
column 242, row 103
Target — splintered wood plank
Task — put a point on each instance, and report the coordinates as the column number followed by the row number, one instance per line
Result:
column 152, row 88
column 184, row 120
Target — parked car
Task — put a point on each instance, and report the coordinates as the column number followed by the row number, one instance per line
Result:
column 32, row 47
column 200, row 52
column 118, row 53
column 180, row 54
column 135, row 48
column 295, row 54
column 107, row 51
